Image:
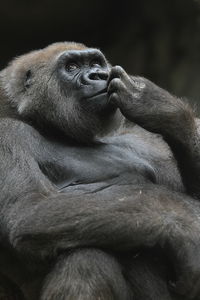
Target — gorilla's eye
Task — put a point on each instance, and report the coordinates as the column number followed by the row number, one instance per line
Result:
column 71, row 67
column 95, row 63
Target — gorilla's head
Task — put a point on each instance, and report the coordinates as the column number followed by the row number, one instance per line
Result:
column 62, row 87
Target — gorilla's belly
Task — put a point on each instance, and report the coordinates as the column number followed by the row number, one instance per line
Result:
column 92, row 169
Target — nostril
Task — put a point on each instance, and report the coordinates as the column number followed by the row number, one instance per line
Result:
column 93, row 76
column 104, row 75
column 98, row 76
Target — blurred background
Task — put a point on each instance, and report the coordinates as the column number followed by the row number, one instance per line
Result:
column 158, row 39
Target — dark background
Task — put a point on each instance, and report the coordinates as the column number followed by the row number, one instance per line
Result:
column 159, row 39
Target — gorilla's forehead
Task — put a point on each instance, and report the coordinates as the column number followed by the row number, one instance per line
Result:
column 48, row 53
column 87, row 52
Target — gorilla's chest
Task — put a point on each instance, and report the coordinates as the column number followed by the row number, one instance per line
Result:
column 115, row 161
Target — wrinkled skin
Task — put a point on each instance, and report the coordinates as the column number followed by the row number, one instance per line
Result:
column 93, row 206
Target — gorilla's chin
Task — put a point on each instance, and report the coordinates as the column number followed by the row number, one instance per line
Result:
column 91, row 121
column 99, row 97
column 99, row 104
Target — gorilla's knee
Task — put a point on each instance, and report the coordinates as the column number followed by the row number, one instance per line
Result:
column 86, row 274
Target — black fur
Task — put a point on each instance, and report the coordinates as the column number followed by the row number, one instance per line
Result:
column 93, row 206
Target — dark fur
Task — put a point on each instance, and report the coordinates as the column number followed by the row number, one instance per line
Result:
column 84, row 192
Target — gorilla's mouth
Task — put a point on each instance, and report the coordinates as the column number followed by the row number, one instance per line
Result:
column 99, row 93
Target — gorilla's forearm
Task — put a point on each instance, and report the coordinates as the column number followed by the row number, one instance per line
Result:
column 151, row 216
column 178, row 126
column 186, row 149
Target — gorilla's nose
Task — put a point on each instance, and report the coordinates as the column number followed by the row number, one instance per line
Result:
column 97, row 75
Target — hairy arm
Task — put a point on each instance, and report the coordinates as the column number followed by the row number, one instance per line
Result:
column 39, row 222
column 153, row 108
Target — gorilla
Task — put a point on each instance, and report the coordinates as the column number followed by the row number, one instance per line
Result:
column 100, row 177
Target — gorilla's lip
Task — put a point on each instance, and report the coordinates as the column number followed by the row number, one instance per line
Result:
column 101, row 92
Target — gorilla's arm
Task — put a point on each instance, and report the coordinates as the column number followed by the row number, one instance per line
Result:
column 41, row 223
column 153, row 108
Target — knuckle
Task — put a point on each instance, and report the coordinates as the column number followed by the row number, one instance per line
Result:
column 116, row 81
column 115, row 84
column 114, row 96
column 118, row 69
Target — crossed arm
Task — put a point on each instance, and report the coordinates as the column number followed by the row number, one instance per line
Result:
column 39, row 222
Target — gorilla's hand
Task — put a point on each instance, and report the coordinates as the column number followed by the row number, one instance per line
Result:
column 146, row 104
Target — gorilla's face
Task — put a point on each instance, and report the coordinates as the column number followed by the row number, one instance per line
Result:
column 62, row 87
column 83, row 75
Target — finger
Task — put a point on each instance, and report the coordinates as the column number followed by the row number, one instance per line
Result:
column 115, row 85
column 114, row 99
column 116, row 72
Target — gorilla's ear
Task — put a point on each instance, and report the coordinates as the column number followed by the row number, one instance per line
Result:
column 28, row 79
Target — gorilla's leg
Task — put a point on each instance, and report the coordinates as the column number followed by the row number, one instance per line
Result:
column 8, row 290
column 86, row 274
